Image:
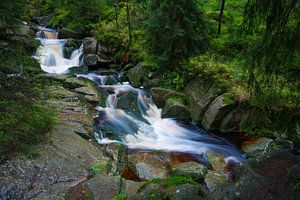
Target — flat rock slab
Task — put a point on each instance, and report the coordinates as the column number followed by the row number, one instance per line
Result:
column 58, row 166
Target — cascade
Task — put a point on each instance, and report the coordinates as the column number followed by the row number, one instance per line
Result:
column 139, row 124
column 50, row 53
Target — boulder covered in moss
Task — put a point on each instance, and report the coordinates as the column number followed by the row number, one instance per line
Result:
column 193, row 170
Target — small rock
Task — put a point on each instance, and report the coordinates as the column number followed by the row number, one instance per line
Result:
column 148, row 166
column 259, row 147
column 193, row 170
column 217, row 162
column 91, row 60
column 214, row 179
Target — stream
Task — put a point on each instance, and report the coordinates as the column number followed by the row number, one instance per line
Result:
column 129, row 115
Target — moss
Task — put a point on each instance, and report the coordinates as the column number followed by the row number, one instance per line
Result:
column 98, row 168
column 121, row 196
column 170, row 181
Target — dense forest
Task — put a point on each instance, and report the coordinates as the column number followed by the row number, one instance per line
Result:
column 250, row 49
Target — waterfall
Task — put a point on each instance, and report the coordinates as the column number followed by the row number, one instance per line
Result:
column 139, row 124
column 50, row 53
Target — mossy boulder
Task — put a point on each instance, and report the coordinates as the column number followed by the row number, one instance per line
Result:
column 193, row 170
column 137, row 74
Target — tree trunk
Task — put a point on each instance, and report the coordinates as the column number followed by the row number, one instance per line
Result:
column 221, row 15
column 128, row 24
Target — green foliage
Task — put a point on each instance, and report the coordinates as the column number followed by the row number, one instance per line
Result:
column 10, row 12
column 98, row 168
column 273, row 65
column 78, row 15
column 121, row 196
column 22, row 125
column 170, row 181
column 175, row 30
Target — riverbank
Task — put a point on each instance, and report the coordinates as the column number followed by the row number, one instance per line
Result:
column 72, row 165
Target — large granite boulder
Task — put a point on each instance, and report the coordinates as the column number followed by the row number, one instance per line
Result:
column 200, row 93
column 215, row 114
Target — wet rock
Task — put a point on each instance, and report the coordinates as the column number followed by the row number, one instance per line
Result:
column 263, row 178
column 78, row 70
column 179, row 112
column 147, row 166
column 175, row 108
column 215, row 179
column 193, row 170
column 259, row 147
column 219, row 175
column 90, row 45
column 217, row 162
column 137, row 74
column 216, row 111
column 201, row 92
column 72, row 83
column 91, row 60
column 231, row 122
column 186, row 191
column 65, row 33
column 79, row 192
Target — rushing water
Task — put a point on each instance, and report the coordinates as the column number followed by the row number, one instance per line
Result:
column 129, row 115
column 51, row 53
